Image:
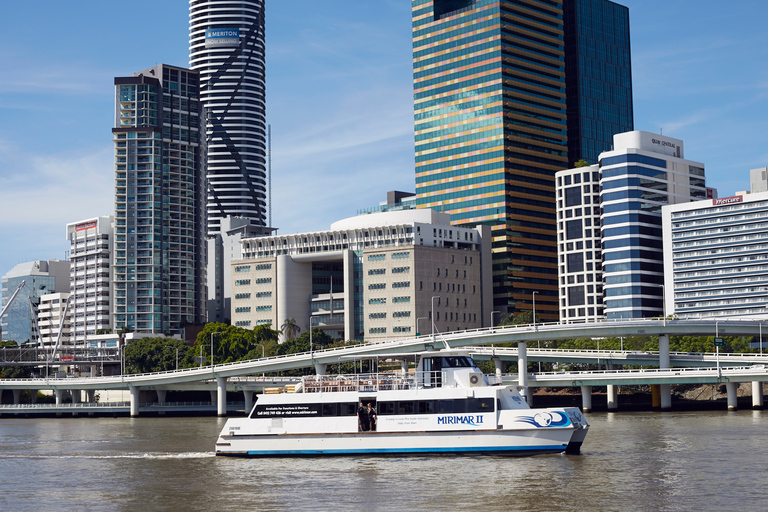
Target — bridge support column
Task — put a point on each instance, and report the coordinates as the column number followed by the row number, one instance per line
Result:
column 612, row 395
column 248, row 395
column 161, row 395
column 586, row 398
column 404, row 366
column 76, row 396
column 522, row 370
column 221, row 399
column 499, row 366
column 664, row 389
column 134, row 401
column 90, row 395
column 33, row 395
column 320, row 368
column 757, row 395
column 59, row 394
column 730, row 388
column 16, row 396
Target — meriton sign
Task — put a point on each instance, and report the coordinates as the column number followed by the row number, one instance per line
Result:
column 222, row 37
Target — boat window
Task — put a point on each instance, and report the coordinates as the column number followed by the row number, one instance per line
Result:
column 427, row 406
column 348, row 409
column 330, row 409
column 445, row 406
column 405, row 408
column 386, row 408
column 456, row 362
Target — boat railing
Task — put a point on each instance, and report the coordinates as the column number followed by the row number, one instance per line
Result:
column 388, row 381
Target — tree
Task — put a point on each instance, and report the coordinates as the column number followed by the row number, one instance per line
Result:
column 290, row 328
column 581, row 163
column 521, row 318
column 146, row 355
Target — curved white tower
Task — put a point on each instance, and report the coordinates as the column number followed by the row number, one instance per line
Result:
column 226, row 46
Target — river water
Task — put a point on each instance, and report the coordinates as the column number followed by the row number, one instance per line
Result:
column 630, row 461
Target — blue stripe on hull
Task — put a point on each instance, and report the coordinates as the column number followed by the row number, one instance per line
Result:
column 516, row 450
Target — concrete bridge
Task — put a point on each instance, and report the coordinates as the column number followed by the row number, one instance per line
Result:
column 220, row 375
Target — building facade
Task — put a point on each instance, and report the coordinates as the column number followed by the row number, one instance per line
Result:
column 716, row 258
column 90, row 257
column 370, row 277
column 226, row 47
column 52, row 310
column 598, row 76
column 159, row 260
column 41, row 278
column 609, row 226
column 492, row 122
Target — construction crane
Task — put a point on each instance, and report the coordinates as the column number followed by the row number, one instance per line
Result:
column 5, row 308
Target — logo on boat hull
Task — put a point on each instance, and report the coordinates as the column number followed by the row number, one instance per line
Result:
column 473, row 420
column 546, row 419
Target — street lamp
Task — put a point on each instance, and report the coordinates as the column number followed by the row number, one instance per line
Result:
column 177, row 354
column 433, row 317
column 492, row 313
column 663, row 305
column 310, row 337
column 418, row 332
column 212, row 365
column 534, row 309
column 717, row 351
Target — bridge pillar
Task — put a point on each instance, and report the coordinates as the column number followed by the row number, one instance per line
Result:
column 59, row 394
column 134, row 400
column 33, row 395
column 16, row 396
column 730, row 388
column 612, row 395
column 320, row 368
column 161, row 395
column 221, row 402
column 90, row 395
column 404, row 366
column 522, row 370
column 586, row 398
column 499, row 366
column 76, row 396
column 248, row 401
column 757, row 395
column 664, row 389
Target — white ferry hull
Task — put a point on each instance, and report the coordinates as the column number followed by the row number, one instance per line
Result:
column 505, row 442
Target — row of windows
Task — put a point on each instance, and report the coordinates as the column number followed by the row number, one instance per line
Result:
column 239, row 296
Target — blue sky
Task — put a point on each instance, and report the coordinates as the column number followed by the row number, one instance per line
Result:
column 339, row 99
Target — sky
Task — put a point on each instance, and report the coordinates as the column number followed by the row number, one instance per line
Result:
column 339, row 101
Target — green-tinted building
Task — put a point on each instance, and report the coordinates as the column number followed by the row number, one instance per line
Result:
column 491, row 129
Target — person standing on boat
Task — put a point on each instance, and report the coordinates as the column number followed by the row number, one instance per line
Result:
column 371, row 414
column 362, row 417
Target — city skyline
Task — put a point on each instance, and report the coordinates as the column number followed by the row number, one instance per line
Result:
column 339, row 93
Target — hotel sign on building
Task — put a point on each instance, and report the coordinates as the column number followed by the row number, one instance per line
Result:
column 222, row 37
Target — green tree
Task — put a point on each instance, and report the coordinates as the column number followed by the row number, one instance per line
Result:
column 290, row 328
column 581, row 163
column 146, row 355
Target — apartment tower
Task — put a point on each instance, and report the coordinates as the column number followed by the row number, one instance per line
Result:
column 159, row 272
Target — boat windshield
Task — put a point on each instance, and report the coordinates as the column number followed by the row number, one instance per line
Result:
column 457, row 362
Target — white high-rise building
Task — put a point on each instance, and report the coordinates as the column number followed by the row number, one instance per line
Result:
column 90, row 276
column 226, row 47
column 614, row 241
column 52, row 309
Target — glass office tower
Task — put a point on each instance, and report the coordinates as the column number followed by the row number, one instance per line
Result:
column 505, row 95
column 490, row 128
column 598, row 76
column 159, row 272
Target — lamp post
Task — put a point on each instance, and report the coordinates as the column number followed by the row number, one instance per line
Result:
column 177, row 354
column 311, row 351
column 492, row 313
column 433, row 317
column 717, row 351
column 418, row 332
column 534, row 309
column 212, row 365
column 663, row 305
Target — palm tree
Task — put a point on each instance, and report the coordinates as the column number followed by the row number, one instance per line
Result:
column 290, row 328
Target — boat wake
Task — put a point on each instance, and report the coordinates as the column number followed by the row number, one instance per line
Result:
column 138, row 455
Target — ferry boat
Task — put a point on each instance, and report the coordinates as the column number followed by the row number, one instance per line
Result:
column 447, row 406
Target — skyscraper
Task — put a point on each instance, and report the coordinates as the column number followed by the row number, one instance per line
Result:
column 159, row 272
column 491, row 129
column 226, row 47
column 598, row 76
